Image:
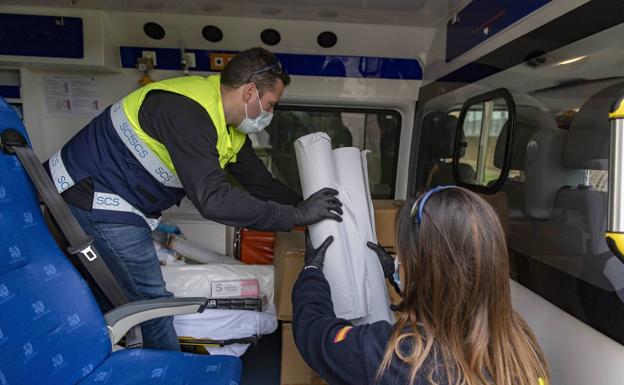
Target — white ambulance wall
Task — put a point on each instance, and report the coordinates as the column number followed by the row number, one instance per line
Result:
column 106, row 31
column 297, row 36
column 436, row 65
column 49, row 131
column 576, row 353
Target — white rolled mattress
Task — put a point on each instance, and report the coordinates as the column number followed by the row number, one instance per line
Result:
column 351, row 268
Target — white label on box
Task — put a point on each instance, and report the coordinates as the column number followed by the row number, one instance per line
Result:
column 236, row 288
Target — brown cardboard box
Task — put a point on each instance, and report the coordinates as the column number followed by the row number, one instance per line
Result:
column 290, row 248
column 294, row 370
column 288, row 263
column 385, row 216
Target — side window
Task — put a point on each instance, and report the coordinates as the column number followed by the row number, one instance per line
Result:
column 375, row 130
column 554, row 197
column 483, row 141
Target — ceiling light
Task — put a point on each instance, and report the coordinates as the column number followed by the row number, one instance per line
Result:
column 570, row 61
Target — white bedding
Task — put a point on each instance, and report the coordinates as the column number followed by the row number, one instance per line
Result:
column 195, row 281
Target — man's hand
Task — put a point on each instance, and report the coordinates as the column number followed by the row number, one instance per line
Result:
column 316, row 257
column 323, row 204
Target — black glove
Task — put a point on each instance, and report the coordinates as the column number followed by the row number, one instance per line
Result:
column 386, row 260
column 323, row 204
column 316, row 257
column 398, row 307
column 387, row 264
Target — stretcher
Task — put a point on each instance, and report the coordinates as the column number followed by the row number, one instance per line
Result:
column 221, row 331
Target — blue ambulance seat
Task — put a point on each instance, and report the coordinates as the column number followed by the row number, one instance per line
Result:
column 51, row 329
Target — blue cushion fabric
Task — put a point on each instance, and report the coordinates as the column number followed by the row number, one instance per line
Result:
column 51, row 328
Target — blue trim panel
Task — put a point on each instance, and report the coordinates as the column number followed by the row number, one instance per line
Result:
column 43, row 36
column 295, row 64
column 484, row 15
column 10, row 92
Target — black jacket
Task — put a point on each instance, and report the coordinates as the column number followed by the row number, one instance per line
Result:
column 188, row 133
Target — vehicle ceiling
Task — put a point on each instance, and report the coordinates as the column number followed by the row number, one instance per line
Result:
column 422, row 13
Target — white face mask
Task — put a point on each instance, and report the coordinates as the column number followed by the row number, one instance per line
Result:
column 397, row 275
column 252, row 126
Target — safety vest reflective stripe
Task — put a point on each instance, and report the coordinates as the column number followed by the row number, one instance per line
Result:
column 101, row 201
column 60, row 176
column 148, row 159
column 113, row 202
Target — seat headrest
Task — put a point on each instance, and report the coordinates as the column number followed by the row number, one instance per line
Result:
column 442, row 138
column 529, row 120
column 9, row 118
column 587, row 144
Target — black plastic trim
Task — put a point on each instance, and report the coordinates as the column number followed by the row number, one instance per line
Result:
column 511, row 108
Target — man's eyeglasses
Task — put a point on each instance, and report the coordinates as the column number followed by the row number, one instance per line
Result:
column 275, row 68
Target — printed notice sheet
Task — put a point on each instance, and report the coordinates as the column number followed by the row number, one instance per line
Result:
column 75, row 94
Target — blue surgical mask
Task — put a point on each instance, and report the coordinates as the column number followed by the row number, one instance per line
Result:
column 397, row 276
column 252, row 126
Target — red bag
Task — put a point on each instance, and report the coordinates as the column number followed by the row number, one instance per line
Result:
column 256, row 247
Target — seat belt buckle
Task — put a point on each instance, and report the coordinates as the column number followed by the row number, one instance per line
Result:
column 85, row 249
column 88, row 253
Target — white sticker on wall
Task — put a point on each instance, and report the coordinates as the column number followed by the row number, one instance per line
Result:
column 74, row 94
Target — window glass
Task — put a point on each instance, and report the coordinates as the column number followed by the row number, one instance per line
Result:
column 374, row 130
column 553, row 201
column 484, row 145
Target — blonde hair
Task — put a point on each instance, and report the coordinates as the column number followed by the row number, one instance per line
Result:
column 457, row 304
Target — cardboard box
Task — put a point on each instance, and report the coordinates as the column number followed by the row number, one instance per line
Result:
column 288, row 263
column 290, row 248
column 294, row 370
column 385, row 217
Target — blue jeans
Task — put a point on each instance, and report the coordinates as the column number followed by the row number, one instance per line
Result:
column 130, row 255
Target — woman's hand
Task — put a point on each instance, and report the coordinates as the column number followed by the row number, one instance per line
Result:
column 316, row 257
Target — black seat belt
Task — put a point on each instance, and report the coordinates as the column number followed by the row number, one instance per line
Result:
column 81, row 245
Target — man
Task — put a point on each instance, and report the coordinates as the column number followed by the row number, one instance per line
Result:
column 171, row 139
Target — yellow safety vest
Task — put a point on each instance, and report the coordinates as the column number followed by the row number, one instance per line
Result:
column 205, row 91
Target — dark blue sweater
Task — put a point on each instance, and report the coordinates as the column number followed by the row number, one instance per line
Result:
column 338, row 351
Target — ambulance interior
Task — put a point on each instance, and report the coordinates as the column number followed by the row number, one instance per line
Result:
column 520, row 117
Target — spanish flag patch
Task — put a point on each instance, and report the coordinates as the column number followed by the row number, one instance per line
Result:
column 342, row 334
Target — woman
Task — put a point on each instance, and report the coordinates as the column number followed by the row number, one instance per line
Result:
column 456, row 326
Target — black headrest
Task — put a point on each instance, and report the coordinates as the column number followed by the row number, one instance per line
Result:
column 529, row 119
column 587, row 144
column 442, row 138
